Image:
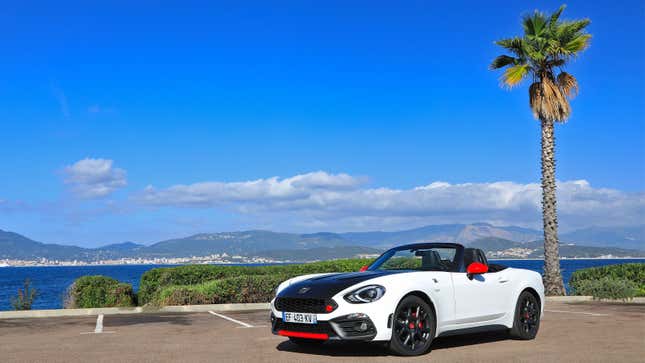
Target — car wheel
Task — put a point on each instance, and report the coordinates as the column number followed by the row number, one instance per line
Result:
column 413, row 327
column 527, row 317
column 303, row 342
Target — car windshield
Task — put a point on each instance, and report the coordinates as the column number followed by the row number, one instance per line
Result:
column 420, row 259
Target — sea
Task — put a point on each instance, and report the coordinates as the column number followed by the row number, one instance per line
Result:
column 52, row 282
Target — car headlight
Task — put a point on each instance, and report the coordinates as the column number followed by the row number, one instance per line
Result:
column 365, row 294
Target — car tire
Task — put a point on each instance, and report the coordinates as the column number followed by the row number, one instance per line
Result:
column 413, row 327
column 526, row 322
column 303, row 342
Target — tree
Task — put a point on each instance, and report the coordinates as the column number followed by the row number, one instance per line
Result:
column 541, row 54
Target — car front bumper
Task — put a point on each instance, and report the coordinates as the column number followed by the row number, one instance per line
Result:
column 355, row 326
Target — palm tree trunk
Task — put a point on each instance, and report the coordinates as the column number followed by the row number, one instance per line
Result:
column 553, row 284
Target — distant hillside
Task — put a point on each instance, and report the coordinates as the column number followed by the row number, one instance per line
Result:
column 18, row 247
column 502, row 248
column 115, row 251
column 502, row 242
column 575, row 251
column 622, row 237
column 461, row 233
column 496, row 244
column 15, row 246
column 123, row 246
column 240, row 243
column 319, row 253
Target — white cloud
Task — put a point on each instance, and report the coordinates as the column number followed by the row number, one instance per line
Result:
column 94, row 178
column 259, row 192
column 344, row 201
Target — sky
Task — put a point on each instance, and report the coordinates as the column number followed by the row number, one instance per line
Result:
column 142, row 122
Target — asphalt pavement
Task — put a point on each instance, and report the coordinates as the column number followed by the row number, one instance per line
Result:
column 583, row 332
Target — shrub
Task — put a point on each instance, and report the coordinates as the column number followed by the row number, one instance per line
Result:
column 239, row 289
column 605, row 288
column 25, row 298
column 633, row 272
column 99, row 292
column 156, row 280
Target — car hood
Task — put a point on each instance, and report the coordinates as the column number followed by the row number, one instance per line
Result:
column 326, row 286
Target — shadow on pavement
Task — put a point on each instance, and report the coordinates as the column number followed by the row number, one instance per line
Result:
column 469, row 339
column 125, row 320
column 360, row 349
column 338, row 349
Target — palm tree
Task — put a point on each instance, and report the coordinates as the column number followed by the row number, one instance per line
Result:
column 541, row 54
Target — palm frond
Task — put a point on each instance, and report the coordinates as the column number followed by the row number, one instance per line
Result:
column 514, row 75
column 555, row 16
column 514, row 45
column 503, row 61
column 548, row 101
column 534, row 24
column 571, row 37
column 570, row 29
column 535, row 50
column 548, row 43
column 568, row 84
column 557, row 62
column 578, row 44
column 535, row 98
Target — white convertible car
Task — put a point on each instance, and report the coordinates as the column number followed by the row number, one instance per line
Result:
column 408, row 296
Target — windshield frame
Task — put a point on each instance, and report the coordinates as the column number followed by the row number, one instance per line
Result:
column 459, row 255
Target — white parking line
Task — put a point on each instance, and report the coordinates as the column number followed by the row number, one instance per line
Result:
column 575, row 312
column 99, row 326
column 231, row 319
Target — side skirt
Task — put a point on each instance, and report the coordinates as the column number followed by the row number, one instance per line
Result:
column 478, row 329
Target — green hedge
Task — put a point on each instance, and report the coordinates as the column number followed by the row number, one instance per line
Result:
column 98, row 292
column 240, row 289
column 199, row 279
column 621, row 281
column 606, row 288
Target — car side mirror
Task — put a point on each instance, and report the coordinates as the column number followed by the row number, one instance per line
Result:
column 476, row 268
column 364, row 268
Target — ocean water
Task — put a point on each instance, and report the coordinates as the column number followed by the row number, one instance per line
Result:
column 52, row 282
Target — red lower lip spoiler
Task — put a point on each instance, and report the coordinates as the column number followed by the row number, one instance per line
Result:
column 298, row 334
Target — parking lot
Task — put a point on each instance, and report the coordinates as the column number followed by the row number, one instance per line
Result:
column 569, row 332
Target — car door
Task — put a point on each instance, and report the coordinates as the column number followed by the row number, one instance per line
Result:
column 479, row 298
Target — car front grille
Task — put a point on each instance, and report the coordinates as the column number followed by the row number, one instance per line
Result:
column 300, row 305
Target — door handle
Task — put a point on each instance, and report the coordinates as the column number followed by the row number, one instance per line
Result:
column 503, row 280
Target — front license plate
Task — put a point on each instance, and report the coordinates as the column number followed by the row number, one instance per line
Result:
column 300, row 318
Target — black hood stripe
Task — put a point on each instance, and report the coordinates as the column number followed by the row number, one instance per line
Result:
column 324, row 287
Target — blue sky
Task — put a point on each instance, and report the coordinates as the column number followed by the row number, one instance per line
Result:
column 380, row 99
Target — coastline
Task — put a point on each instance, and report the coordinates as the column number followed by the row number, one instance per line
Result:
column 53, row 281
column 280, row 262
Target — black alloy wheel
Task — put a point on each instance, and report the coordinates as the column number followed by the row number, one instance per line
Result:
column 413, row 327
column 527, row 317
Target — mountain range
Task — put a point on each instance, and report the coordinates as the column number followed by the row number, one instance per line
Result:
column 590, row 242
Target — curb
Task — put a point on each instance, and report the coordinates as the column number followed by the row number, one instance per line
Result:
column 134, row 310
column 578, row 299
column 228, row 307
